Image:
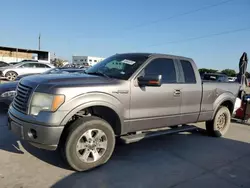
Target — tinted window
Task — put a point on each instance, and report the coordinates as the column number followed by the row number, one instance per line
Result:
column 3, row 64
column 27, row 65
column 40, row 65
column 164, row 67
column 188, row 70
column 31, row 65
column 215, row 77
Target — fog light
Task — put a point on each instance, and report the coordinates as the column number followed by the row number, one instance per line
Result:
column 32, row 133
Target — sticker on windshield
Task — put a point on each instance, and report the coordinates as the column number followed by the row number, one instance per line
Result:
column 128, row 61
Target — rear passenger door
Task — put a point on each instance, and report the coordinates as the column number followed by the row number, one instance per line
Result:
column 41, row 68
column 191, row 92
column 25, row 68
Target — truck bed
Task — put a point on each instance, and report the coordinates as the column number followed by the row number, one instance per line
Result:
column 214, row 93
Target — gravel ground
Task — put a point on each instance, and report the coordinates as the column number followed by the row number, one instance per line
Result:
column 181, row 160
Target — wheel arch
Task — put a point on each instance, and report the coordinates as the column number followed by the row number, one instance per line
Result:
column 9, row 70
column 103, row 110
column 227, row 102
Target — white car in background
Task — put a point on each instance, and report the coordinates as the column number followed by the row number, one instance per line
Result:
column 27, row 67
column 232, row 79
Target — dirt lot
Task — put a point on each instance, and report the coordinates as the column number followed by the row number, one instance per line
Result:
column 181, row 160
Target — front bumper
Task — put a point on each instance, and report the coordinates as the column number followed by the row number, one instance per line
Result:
column 45, row 137
column 1, row 74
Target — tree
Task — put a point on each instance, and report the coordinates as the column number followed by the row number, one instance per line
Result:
column 229, row 72
column 247, row 74
column 57, row 62
column 204, row 70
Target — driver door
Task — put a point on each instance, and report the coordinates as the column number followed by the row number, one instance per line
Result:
column 155, row 107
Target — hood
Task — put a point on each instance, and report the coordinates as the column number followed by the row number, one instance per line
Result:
column 24, row 75
column 65, row 80
column 10, row 86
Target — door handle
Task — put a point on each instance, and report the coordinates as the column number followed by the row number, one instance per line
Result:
column 177, row 92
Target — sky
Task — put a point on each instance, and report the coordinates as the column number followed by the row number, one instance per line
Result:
column 105, row 27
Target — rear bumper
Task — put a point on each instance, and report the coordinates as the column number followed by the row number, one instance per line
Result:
column 45, row 137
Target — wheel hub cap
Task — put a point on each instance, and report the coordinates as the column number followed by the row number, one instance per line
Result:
column 92, row 145
column 221, row 122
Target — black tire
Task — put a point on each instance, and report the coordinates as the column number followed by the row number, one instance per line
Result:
column 75, row 132
column 11, row 75
column 218, row 127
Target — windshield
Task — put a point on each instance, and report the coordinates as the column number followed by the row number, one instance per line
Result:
column 120, row 66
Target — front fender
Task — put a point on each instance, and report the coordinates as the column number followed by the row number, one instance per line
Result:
column 5, row 71
column 227, row 96
column 93, row 99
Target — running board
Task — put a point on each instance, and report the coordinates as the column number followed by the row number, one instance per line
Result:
column 127, row 139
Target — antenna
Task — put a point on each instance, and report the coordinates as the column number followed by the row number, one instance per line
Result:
column 39, row 41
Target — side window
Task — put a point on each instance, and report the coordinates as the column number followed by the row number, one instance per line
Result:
column 188, row 70
column 34, row 65
column 40, row 65
column 26, row 65
column 164, row 67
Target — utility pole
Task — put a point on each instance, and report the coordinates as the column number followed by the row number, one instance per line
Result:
column 39, row 41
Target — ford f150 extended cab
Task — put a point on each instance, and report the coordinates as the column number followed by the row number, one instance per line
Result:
column 125, row 96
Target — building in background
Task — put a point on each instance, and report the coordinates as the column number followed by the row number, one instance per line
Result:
column 83, row 60
column 12, row 54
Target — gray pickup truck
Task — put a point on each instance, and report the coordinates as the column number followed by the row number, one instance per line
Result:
column 129, row 96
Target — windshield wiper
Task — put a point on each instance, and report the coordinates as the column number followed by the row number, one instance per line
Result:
column 98, row 73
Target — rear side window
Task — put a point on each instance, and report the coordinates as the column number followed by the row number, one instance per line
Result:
column 189, row 76
column 40, row 65
column 27, row 65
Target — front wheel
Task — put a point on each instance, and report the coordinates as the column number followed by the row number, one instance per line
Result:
column 89, row 143
column 220, row 124
column 11, row 75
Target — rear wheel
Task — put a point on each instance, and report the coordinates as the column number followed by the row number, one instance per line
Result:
column 89, row 143
column 220, row 124
column 11, row 75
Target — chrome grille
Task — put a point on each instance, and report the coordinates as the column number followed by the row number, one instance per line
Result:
column 21, row 100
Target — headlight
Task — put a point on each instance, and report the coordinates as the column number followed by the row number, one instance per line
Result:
column 9, row 94
column 45, row 102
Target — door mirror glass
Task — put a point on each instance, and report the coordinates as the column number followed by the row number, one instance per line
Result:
column 150, row 80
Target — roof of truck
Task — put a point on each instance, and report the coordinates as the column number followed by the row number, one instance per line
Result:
column 155, row 54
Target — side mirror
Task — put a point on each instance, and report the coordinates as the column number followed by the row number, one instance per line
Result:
column 150, row 80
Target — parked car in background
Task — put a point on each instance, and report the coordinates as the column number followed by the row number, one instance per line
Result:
column 8, row 89
column 128, row 96
column 55, row 71
column 7, row 93
column 11, row 72
column 248, row 82
column 216, row 77
column 232, row 79
column 72, row 65
column 3, row 64
column 28, row 60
